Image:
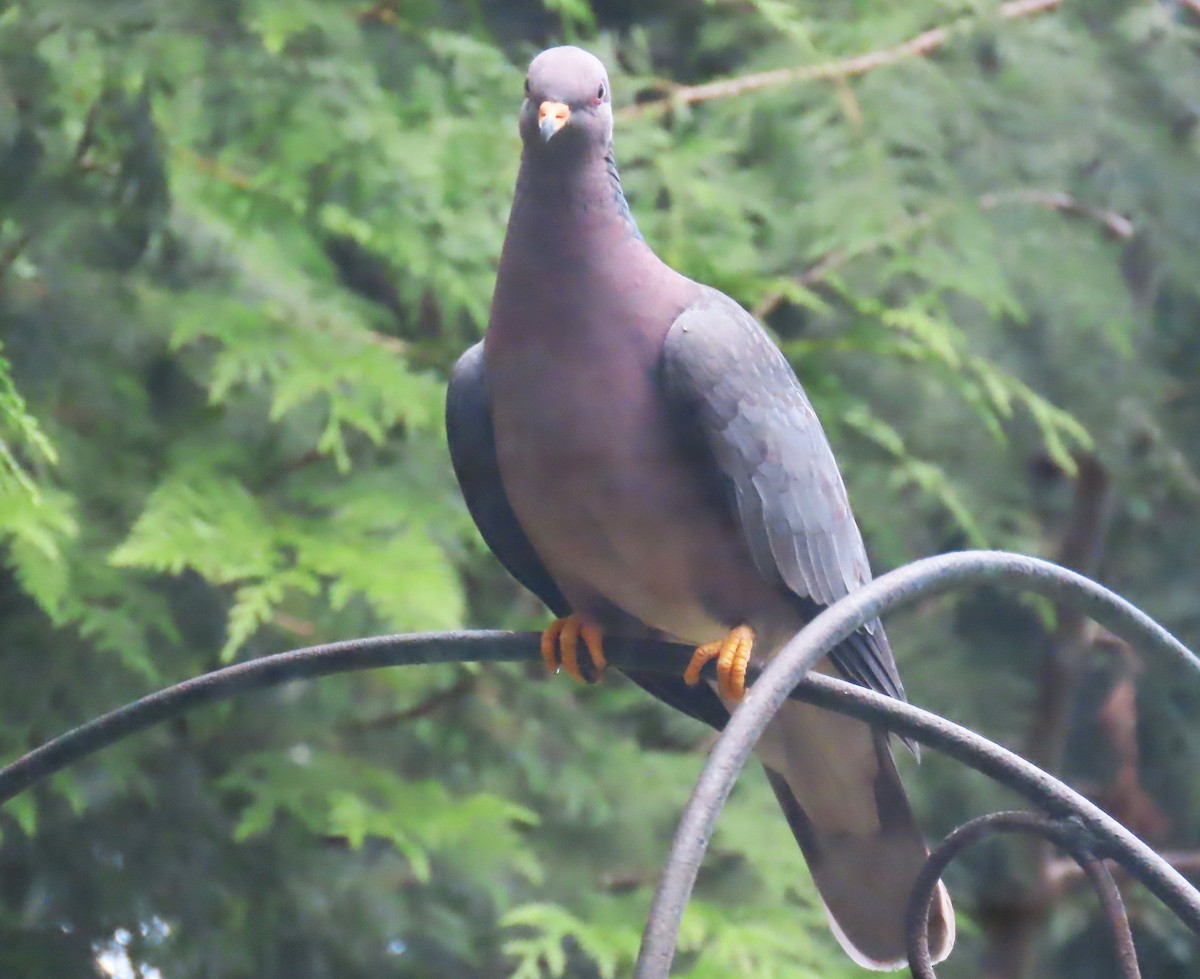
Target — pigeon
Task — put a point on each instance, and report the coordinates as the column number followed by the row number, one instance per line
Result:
column 636, row 451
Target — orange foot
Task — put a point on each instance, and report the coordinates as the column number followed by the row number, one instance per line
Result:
column 560, row 647
column 732, row 655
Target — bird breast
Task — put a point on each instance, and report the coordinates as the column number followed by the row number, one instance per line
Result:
column 596, row 476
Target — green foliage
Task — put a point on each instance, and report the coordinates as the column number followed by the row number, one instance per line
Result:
column 34, row 516
column 552, row 928
column 242, row 242
column 354, row 800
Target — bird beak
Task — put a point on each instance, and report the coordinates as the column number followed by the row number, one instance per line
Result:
column 552, row 116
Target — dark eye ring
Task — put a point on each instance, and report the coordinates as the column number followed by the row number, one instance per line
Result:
column 526, row 87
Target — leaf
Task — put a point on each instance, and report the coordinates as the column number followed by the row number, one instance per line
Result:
column 351, row 798
column 910, row 471
column 36, row 525
column 203, row 521
column 541, row 952
column 255, row 604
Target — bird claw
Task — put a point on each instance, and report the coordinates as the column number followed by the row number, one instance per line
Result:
column 732, row 655
column 560, row 648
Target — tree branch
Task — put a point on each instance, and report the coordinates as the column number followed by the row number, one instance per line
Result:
column 920, row 46
column 1116, row 226
column 12, row 251
column 1080, row 550
column 1063, row 876
column 1020, row 913
column 430, row 705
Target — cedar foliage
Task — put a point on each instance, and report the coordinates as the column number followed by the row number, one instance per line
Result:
column 241, row 242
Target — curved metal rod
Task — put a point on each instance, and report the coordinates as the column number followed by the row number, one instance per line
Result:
column 904, row 586
column 313, row 661
column 1069, row 835
column 1113, row 906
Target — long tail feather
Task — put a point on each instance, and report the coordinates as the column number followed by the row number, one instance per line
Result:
column 839, row 789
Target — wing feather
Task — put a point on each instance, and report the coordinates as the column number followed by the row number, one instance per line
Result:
column 472, row 441
column 723, row 375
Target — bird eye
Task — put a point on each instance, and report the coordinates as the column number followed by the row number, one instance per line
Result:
column 526, row 88
column 601, row 92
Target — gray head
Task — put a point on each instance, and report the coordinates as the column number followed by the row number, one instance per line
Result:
column 568, row 106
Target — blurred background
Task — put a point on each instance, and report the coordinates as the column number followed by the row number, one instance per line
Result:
column 242, row 242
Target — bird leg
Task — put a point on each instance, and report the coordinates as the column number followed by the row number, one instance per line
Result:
column 732, row 655
column 560, row 647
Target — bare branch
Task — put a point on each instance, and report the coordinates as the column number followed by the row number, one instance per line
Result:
column 1058, row 674
column 1010, row 934
column 1115, row 225
column 1063, row 876
column 430, row 705
column 87, row 136
column 282, row 620
column 1125, row 797
column 917, row 47
column 622, row 881
column 12, row 251
column 215, row 168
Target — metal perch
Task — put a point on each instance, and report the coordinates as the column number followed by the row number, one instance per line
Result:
column 1071, row 822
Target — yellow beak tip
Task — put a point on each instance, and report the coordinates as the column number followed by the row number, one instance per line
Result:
column 552, row 116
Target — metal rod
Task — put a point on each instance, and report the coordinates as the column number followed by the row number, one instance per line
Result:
column 921, row 579
column 1068, row 834
column 769, row 688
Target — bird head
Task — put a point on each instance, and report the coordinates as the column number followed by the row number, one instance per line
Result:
column 567, row 102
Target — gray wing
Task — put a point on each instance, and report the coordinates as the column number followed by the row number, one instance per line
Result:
column 737, row 397
column 472, row 441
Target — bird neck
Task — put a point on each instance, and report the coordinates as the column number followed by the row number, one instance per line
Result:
column 571, row 196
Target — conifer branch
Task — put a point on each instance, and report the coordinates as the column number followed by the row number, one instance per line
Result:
column 920, row 46
column 1115, row 226
column 240, row 181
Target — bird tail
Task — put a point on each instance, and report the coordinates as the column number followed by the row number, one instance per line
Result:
column 839, row 789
